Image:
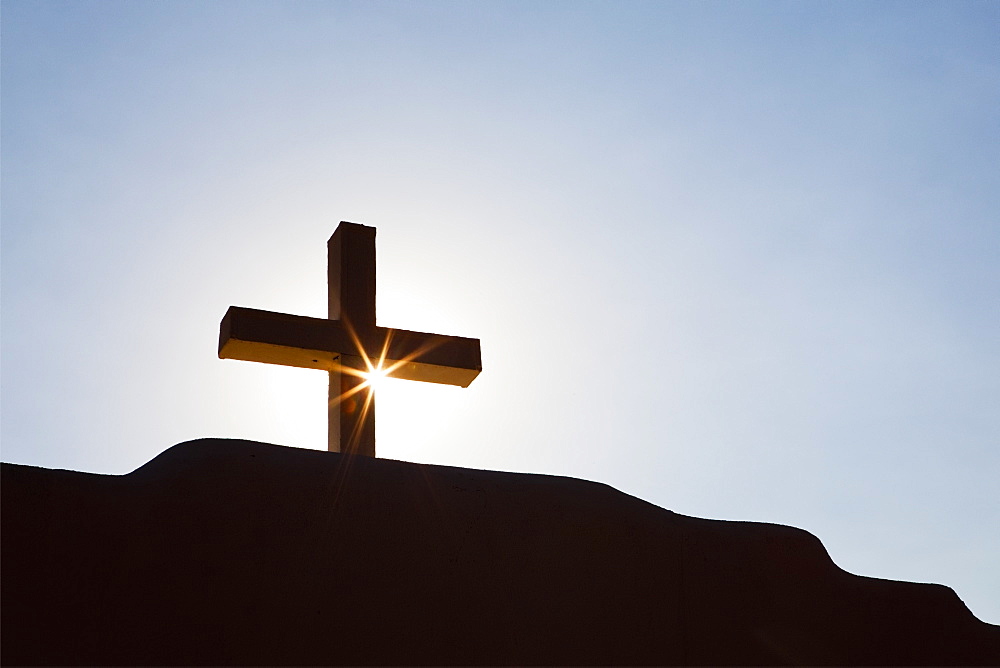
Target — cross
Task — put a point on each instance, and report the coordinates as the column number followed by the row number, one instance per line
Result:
column 348, row 344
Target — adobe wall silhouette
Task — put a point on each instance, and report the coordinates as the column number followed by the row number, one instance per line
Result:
column 234, row 552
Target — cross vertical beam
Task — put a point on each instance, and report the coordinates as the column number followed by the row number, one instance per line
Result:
column 351, row 299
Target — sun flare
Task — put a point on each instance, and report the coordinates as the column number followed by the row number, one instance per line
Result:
column 375, row 376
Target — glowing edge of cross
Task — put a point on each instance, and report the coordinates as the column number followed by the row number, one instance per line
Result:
column 317, row 343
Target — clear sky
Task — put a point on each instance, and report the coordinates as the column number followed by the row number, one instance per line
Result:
column 739, row 260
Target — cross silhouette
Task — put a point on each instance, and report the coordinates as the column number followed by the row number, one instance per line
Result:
column 348, row 344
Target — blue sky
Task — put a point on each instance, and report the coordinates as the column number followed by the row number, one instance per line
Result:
column 736, row 259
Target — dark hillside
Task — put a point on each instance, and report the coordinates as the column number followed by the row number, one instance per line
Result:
column 234, row 552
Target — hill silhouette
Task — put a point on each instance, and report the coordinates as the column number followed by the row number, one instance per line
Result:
column 235, row 552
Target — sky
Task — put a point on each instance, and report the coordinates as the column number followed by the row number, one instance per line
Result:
column 737, row 259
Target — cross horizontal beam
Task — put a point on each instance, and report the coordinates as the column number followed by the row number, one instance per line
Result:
column 317, row 343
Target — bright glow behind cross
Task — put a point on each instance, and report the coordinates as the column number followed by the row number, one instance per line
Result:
column 349, row 345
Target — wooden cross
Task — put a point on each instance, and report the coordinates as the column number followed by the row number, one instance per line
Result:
column 348, row 344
